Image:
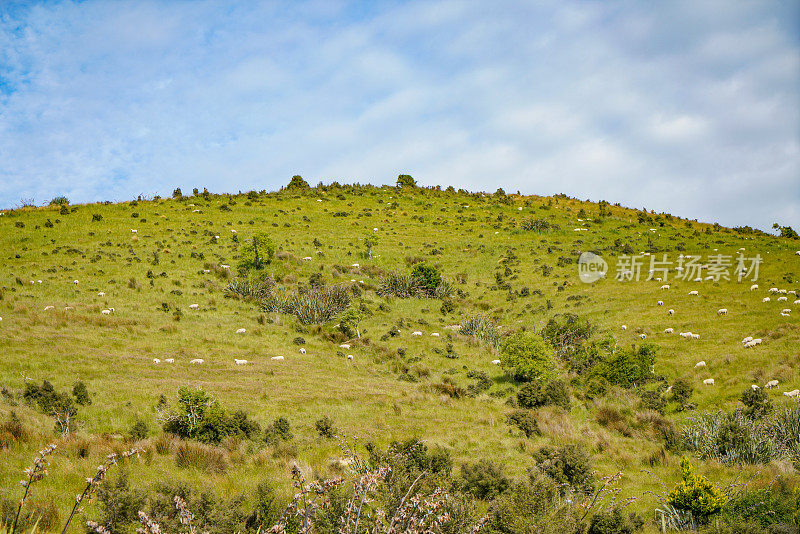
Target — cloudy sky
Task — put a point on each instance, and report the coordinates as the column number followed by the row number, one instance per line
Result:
column 690, row 107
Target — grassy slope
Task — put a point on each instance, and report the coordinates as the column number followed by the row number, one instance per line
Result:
column 113, row 354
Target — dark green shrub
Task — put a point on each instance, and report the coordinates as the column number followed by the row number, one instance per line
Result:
column 244, row 426
column 776, row 504
column 567, row 333
column 267, row 509
column 427, row 277
column 524, row 420
column 118, row 505
column 96, row 217
column 569, row 465
column 59, row 201
column 278, row 431
column 627, row 367
column 527, row 357
column 201, row 417
column 757, row 403
column 652, row 400
column 139, row 430
column 484, row 479
column 257, row 252
column 405, row 180
column 615, row 521
column 81, row 394
column 325, row 427
column 297, row 183
column 682, row 391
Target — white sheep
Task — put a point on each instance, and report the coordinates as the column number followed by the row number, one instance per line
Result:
column 355, row 265
column 773, row 290
column 765, row 299
column 722, row 311
column 791, row 291
column 771, row 384
column 665, row 286
column 748, row 339
column 223, row 266
column 797, row 253
column 753, row 287
column 624, row 327
column 694, row 293
column 782, row 291
column 668, row 330
column 101, row 294
column 156, row 360
column 233, row 231
column 239, row 362
column 48, row 308
column 784, row 314
column 694, row 336
column 111, row 309
column 75, row 282
column 671, row 311
column 685, row 334
column 699, row 364
column 754, row 387
column 134, row 231
column 642, row 336
column 67, row 308
column 106, row 312
column 708, row 382
column 660, row 302
column 277, row 358
column 344, row 346
column 302, row 350
column 495, row 362
column 793, row 393
column 197, row 361
column 417, row 333
column 796, row 301
column 193, row 306
column 782, row 299
column 349, row 356
column 434, row 334
column 786, row 310
column 241, row 331
column 307, row 258
column 169, row 360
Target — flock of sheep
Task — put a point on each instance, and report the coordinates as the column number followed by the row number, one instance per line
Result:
column 748, row 342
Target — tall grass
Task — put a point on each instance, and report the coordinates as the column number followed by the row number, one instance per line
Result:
column 735, row 438
column 482, row 328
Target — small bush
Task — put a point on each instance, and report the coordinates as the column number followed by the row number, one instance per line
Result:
column 484, row 479
column 757, row 403
column 568, row 465
column 325, row 427
column 96, row 217
column 257, row 252
column 139, row 430
column 537, row 393
column 59, row 201
column 527, row 357
column 278, row 431
column 696, row 494
column 427, row 277
column 81, row 394
column 682, row 391
column 615, row 521
column 524, row 420
column 118, row 505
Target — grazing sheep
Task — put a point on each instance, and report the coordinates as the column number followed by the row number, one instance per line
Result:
column 797, row 253
column 671, row 311
column 765, row 299
column 349, row 356
column 694, row 293
column 722, row 311
column 101, row 294
column 67, row 308
column 784, row 314
column 796, row 302
column 748, row 339
column 355, row 265
column 686, row 335
column 699, row 364
column 792, row 292
column 134, row 231
column 307, row 258
column 665, row 286
column 344, row 346
column 435, row 334
column 233, row 231
column 782, row 291
column 660, row 302
column 106, row 312
column 169, row 360
column 753, row 287
column 417, row 333
column 793, row 393
column 302, row 350
column 277, row 358
column 773, row 290
column 197, row 361
column 495, row 362
column 771, row 384
column 241, row 331
column 624, row 327
column 754, row 387
column 193, row 306
column 156, row 360
column 239, row 362
column 48, row 308
column 786, row 310
column 111, row 310
column 694, row 336
column 782, row 299
column 668, row 330
column 708, row 382
column 223, row 266
column 75, row 282
column 642, row 336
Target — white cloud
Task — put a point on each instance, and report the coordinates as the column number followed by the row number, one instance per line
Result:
column 687, row 107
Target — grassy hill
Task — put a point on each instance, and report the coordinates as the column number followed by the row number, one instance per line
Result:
column 508, row 259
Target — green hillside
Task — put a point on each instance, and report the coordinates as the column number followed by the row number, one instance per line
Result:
column 507, row 262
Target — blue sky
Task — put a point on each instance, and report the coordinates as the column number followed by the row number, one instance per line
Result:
column 690, row 107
